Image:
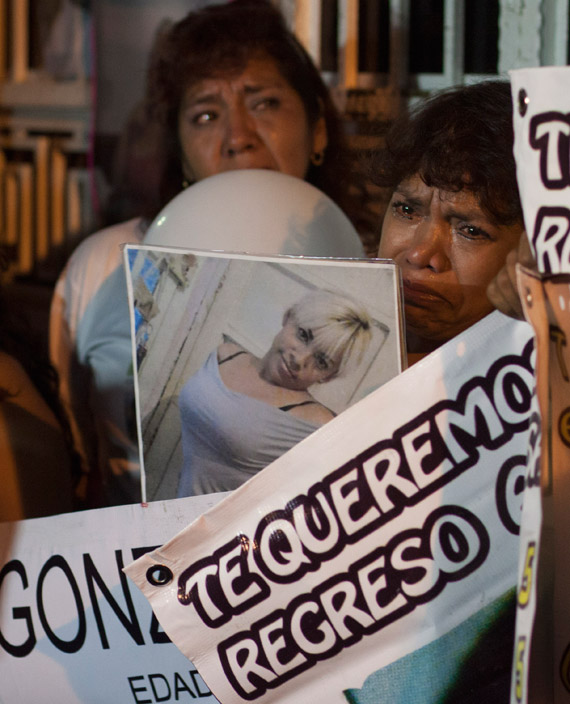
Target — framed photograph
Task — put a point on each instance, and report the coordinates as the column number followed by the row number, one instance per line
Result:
column 238, row 358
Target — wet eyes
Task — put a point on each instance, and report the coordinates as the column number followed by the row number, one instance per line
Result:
column 403, row 209
column 203, row 118
column 268, row 103
column 472, row 232
column 264, row 104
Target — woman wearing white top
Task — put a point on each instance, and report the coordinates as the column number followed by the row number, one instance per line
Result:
column 230, row 88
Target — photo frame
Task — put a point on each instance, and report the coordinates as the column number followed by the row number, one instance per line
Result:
column 187, row 303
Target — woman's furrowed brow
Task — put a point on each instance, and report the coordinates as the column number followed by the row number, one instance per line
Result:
column 468, row 215
column 411, row 198
column 253, row 89
column 201, row 99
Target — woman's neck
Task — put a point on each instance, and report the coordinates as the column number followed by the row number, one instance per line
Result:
column 418, row 347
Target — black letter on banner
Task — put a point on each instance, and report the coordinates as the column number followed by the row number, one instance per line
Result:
column 509, row 492
column 65, row 646
column 23, row 612
column 134, row 690
column 455, row 551
column 167, row 692
column 549, row 134
column 181, row 686
column 91, row 576
column 551, row 239
column 196, row 679
column 211, row 582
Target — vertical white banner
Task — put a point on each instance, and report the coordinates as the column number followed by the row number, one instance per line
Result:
column 541, row 672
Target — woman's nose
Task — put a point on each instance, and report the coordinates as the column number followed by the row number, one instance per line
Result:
column 240, row 131
column 428, row 248
column 298, row 360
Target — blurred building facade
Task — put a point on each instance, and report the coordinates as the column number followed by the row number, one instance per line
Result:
column 70, row 76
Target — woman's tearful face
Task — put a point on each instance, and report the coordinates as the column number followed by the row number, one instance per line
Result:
column 251, row 120
column 448, row 250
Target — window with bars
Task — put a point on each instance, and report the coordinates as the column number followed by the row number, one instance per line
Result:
column 435, row 43
column 375, row 54
column 425, row 37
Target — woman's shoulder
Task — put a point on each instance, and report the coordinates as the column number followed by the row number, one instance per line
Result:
column 314, row 413
column 106, row 242
column 94, row 259
column 226, row 350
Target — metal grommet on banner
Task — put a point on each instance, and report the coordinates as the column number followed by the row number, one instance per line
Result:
column 159, row 575
column 523, row 102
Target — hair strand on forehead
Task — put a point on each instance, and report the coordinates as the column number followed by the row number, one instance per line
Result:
column 460, row 137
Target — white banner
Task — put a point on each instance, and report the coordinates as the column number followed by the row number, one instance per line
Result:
column 376, row 554
column 541, row 118
column 72, row 628
column 541, row 669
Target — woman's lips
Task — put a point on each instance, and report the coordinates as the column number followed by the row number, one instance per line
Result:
column 421, row 295
column 252, row 164
column 285, row 370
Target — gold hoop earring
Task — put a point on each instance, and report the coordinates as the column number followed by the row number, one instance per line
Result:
column 317, row 158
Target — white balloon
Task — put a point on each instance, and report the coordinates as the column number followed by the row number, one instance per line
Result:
column 257, row 212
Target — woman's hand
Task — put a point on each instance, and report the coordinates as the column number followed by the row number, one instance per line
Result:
column 502, row 291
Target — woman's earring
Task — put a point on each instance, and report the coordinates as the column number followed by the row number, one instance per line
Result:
column 317, row 158
column 185, row 183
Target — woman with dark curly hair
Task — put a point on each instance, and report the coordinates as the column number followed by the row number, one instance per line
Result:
column 229, row 87
column 453, row 216
column 245, row 46
column 455, row 211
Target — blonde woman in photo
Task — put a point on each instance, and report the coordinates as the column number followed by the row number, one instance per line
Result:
column 240, row 412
